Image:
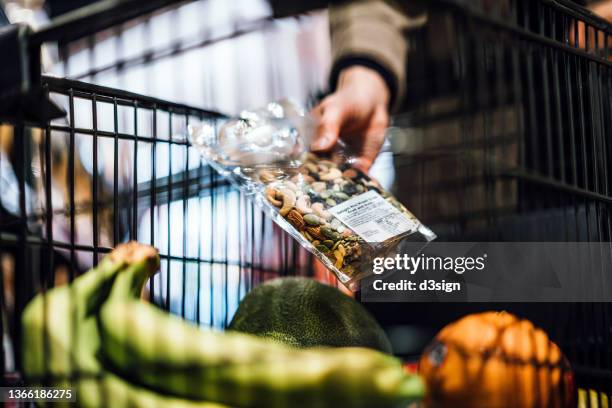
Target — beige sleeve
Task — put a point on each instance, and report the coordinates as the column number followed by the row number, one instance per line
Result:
column 375, row 30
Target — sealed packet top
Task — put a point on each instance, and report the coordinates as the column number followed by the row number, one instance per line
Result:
column 335, row 211
column 268, row 136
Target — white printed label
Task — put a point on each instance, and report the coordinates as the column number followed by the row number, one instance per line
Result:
column 373, row 217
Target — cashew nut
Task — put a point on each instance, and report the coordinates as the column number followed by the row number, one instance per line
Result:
column 327, row 163
column 318, row 186
column 271, row 196
column 303, row 178
column 266, row 176
column 310, row 157
column 332, row 174
column 312, row 167
column 302, row 204
column 319, row 209
column 288, row 201
column 290, row 185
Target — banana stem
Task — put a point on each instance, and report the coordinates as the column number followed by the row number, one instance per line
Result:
column 143, row 263
column 92, row 287
column 130, row 282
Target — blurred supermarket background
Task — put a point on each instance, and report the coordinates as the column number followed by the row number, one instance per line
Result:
column 218, row 55
column 505, row 140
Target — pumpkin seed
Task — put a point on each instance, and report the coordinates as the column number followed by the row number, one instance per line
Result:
column 340, row 195
column 326, row 229
column 312, row 219
column 322, row 248
column 328, row 232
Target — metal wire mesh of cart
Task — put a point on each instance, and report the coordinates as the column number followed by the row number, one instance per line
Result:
column 507, row 139
column 142, row 181
column 210, row 258
column 519, row 105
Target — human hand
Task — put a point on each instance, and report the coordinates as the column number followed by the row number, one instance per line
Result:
column 603, row 9
column 356, row 113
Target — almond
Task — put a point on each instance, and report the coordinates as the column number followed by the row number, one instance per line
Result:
column 296, row 219
column 315, row 232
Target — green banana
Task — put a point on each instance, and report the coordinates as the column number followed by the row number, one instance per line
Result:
column 110, row 390
column 53, row 323
column 166, row 353
column 61, row 338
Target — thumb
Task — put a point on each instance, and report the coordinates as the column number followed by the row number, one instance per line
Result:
column 363, row 164
column 328, row 129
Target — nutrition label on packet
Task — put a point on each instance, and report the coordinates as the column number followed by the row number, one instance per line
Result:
column 373, row 217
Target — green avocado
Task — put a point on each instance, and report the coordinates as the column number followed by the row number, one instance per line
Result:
column 305, row 313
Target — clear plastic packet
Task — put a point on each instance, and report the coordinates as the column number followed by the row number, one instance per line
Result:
column 332, row 209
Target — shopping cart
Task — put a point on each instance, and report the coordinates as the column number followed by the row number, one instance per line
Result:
column 503, row 138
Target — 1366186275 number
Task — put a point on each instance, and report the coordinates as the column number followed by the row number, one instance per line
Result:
column 37, row 394
column 439, row 286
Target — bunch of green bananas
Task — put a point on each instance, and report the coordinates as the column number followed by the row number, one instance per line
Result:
column 98, row 337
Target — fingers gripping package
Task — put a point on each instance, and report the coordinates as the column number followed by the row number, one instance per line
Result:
column 340, row 214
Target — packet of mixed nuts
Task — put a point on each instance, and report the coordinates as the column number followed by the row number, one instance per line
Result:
column 335, row 211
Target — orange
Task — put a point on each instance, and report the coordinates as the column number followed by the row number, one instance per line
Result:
column 495, row 360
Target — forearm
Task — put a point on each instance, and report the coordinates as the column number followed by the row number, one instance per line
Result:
column 371, row 33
